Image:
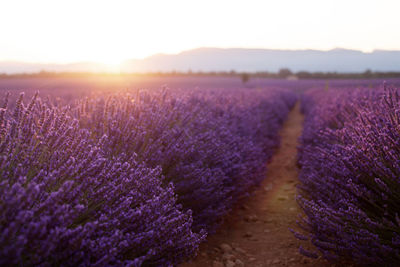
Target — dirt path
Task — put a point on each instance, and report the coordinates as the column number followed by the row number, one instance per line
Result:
column 256, row 233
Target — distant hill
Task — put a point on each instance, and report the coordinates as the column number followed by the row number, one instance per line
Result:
column 238, row 59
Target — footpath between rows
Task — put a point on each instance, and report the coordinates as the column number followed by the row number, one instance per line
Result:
column 256, row 232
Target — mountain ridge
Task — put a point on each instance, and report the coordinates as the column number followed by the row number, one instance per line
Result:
column 239, row 59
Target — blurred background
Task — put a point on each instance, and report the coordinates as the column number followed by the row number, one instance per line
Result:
column 125, row 44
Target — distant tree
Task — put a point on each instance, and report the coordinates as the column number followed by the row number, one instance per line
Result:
column 284, row 73
column 245, row 77
column 304, row 75
column 367, row 73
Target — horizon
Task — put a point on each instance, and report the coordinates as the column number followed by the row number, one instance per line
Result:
column 214, row 59
column 198, row 48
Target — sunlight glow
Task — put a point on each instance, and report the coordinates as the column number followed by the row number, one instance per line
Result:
column 113, row 31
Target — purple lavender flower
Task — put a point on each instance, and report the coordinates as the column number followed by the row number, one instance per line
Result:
column 350, row 190
column 132, row 179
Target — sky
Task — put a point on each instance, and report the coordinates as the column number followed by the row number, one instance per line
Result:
column 55, row 31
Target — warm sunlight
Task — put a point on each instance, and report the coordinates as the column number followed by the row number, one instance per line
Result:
column 220, row 133
column 113, row 31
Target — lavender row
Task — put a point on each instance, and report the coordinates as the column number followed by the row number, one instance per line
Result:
column 210, row 145
column 132, row 179
column 349, row 181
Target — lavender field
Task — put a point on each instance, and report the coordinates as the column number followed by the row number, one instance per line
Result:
column 139, row 172
column 199, row 133
column 67, row 89
column 132, row 178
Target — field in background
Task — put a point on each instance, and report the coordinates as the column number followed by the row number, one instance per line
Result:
column 69, row 88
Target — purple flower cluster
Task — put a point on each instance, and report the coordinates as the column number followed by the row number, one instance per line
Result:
column 212, row 145
column 349, row 180
column 62, row 202
column 133, row 179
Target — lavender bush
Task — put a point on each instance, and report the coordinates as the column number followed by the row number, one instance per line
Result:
column 64, row 203
column 350, row 187
column 130, row 179
column 211, row 145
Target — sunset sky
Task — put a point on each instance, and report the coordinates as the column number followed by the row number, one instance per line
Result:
column 112, row 31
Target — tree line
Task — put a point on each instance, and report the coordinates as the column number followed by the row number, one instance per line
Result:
column 283, row 73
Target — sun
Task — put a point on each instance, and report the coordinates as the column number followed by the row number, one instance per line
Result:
column 111, row 61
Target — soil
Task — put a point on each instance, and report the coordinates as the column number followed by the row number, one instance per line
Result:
column 256, row 233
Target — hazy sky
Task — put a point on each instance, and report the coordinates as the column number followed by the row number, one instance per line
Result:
column 111, row 31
